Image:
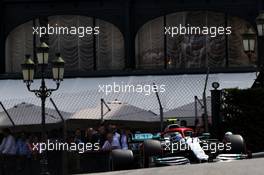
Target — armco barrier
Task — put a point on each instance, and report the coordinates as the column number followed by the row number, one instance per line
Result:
column 75, row 163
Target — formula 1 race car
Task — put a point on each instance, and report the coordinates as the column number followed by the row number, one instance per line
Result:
column 177, row 146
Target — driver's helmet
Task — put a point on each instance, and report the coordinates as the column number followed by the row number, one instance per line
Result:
column 177, row 137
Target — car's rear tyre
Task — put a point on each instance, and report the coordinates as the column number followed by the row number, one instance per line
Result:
column 121, row 159
column 150, row 148
column 237, row 144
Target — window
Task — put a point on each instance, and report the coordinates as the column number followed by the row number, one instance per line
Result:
column 89, row 53
column 154, row 50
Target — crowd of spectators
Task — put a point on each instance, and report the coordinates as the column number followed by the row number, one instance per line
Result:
column 109, row 137
column 16, row 150
column 17, row 153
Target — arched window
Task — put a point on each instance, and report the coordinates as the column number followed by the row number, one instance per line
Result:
column 154, row 50
column 104, row 51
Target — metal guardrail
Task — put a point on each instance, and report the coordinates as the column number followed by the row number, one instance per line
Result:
column 258, row 155
column 90, row 162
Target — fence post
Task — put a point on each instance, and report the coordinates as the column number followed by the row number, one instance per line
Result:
column 216, row 116
column 64, row 152
column 9, row 117
column 161, row 110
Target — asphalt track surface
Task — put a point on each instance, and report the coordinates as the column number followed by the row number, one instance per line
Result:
column 240, row 167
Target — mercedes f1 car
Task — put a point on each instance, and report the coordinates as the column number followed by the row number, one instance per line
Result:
column 176, row 146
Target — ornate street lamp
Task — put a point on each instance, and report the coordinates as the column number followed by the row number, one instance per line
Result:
column 249, row 42
column 43, row 92
column 259, row 82
column 260, row 24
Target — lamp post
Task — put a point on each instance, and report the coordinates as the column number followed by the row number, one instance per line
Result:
column 249, row 40
column 43, row 92
column 260, row 27
column 215, row 110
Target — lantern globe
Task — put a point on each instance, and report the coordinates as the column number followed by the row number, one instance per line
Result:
column 249, row 41
column 43, row 54
column 260, row 24
column 58, row 68
column 28, row 69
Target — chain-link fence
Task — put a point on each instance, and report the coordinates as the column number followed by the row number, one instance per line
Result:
column 176, row 93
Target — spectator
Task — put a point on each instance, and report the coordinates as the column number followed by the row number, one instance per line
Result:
column 22, row 146
column 116, row 138
column 8, row 151
column 226, row 136
column 8, row 145
column 78, row 136
column 108, row 143
column 124, row 137
column 101, row 135
column 24, row 154
column 90, row 136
